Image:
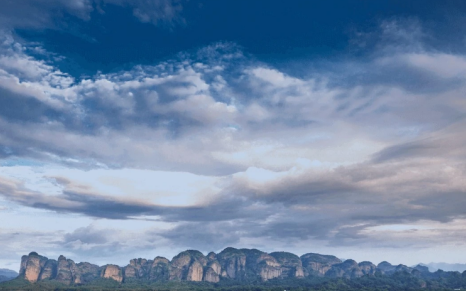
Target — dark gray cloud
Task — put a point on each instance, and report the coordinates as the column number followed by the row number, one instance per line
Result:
column 445, row 143
column 405, row 151
column 337, row 206
column 87, row 235
column 16, row 108
column 105, row 206
column 83, row 203
column 207, row 236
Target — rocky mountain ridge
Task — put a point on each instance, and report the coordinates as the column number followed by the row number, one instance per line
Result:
column 191, row 265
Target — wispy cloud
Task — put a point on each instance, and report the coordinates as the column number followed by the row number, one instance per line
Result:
column 344, row 159
column 51, row 13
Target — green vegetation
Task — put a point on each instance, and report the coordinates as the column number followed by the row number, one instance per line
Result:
column 395, row 282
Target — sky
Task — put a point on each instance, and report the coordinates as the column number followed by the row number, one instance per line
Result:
column 143, row 128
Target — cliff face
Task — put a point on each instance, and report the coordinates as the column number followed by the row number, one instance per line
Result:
column 261, row 264
column 138, row 268
column 290, row 264
column 88, row 272
column 191, row 265
column 348, row 269
column 188, row 266
column 49, row 271
column 367, row 268
column 233, row 263
column 35, row 267
column 160, row 269
column 112, row 272
column 64, row 272
column 68, row 272
column 318, row 265
column 213, row 270
column 31, row 266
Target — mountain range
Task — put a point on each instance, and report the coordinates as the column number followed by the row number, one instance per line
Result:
column 231, row 264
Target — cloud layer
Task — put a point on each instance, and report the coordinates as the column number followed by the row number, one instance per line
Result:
column 372, row 156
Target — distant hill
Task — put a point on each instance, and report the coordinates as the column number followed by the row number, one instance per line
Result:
column 445, row 267
column 6, row 274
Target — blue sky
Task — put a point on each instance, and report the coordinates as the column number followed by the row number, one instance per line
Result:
column 144, row 128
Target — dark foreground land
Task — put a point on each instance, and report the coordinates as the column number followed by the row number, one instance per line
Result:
column 397, row 281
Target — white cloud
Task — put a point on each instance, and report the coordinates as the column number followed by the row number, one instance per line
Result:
column 157, row 187
column 313, row 160
column 442, row 65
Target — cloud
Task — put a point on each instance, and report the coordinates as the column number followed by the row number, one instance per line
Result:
column 86, row 235
column 42, row 13
column 81, row 199
column 444, row 143
column 206, row 236
column 343, row 159
column 85, row 203
column 340, row 204
column 16, row 241
column 158, row 12
column 51, row 13
column 94, row 243
column 391, row 34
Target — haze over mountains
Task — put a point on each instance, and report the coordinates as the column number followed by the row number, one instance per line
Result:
column 445, row 267
column 6, row 274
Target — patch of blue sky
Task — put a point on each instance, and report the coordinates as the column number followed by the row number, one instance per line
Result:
column 275, row 32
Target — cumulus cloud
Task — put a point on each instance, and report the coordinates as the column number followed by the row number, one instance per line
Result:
column 345, row 160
